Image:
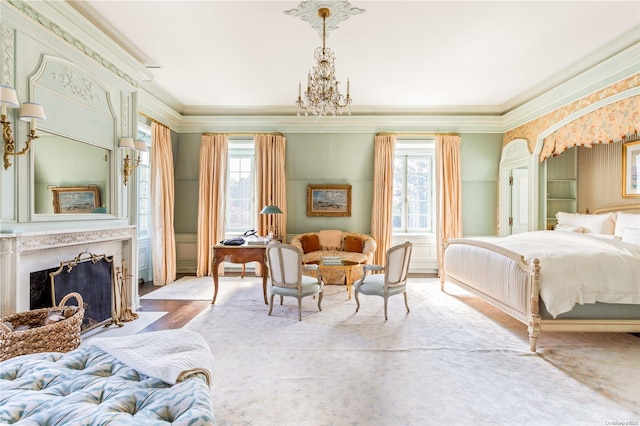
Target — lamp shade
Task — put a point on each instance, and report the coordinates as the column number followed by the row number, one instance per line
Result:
column 8, row 97
column 271, row 210
column 126, row 143
column 33, row 112
column 140, row 145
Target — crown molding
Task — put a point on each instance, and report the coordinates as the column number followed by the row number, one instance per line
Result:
column 623, row 65
column 66, row 24
column 342, row 124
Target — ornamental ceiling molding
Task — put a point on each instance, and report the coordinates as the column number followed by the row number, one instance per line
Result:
column 58, row 31
column 308, row 11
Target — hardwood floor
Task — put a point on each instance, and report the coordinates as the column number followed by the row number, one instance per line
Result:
column 179, row 312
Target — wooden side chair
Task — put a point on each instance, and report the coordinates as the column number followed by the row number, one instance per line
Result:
column 285, row 269
column 394, row 279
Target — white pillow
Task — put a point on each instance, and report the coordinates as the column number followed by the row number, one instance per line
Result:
column 631, row 235
column 626, row 220
column 567, row 228
column 590, row 223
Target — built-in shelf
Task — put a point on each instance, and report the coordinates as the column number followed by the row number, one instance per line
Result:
column 562, row 186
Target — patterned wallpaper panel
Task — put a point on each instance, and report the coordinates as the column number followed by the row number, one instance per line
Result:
column 532, row 129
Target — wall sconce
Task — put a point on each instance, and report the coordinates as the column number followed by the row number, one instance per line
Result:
column 129, row 167
column 272, row 229
column 29, row 112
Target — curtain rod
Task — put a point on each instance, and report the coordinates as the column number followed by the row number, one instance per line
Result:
column 410, row 134
column 242, row 133
column 152, row 119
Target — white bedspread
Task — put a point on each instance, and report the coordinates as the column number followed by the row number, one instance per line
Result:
column 170, row 355
column 579, row 268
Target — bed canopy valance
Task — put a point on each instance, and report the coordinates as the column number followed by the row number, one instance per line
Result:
column 619, row 121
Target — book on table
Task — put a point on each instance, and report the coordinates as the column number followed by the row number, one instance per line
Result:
column 331, row 260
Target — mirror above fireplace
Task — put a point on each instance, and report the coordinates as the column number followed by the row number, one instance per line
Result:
column 61, row 168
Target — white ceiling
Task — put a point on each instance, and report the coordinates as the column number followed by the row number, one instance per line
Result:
column 439, row 56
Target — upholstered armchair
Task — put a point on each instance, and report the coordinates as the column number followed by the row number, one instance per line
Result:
column 392, row 281
column 285, row 269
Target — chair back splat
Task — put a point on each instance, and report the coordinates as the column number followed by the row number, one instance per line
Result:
column 285, row 268
column 392, row 281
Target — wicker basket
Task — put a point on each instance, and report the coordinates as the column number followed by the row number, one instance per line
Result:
column 62, row 336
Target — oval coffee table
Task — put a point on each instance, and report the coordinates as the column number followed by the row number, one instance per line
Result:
column 346, row 266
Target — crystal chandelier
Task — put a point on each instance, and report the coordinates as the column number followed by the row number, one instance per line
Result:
column 323, row 95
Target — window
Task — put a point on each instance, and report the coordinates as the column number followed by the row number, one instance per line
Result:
column 413, row 187
column 142, row 173
column 241, row 211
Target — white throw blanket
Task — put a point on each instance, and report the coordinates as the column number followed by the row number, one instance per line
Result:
column 170, row 356
column 578, row 268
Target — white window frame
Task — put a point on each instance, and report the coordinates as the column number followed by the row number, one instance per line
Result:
column 143, row 199
column 416, row 149
column 241, row 148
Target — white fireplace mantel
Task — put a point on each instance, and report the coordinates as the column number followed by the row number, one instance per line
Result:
column 23, row 253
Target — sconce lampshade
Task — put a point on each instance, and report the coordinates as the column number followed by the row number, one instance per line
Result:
column 126, row 143
column 8, row 97
column 33, row 112
column 271, row 210
column 140, row 145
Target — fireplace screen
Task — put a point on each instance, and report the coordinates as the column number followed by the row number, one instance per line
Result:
column 91, row 276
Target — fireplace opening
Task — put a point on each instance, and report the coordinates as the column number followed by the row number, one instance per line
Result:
column 92, row 277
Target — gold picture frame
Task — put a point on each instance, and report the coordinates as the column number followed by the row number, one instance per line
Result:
column 329, row 200
column 76, row 199
column 631, row 169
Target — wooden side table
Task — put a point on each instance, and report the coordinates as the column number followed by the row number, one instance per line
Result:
column 239, row 254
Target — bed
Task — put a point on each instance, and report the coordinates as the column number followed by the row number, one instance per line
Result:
column 153, row 378
column 584, row 276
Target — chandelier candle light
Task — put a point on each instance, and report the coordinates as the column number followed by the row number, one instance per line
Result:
column 323, row 95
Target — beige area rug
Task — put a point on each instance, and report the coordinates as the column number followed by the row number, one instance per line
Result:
column 188, row 288
column 447, row 362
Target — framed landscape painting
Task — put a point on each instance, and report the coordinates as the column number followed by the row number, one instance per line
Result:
column 78, row 199
column 328, row 200
column 630, row 169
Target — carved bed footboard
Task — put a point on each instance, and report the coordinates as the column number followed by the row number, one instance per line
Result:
column 501, row 277
column 504, row 279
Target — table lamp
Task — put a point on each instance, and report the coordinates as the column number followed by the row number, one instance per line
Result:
column 272, row 228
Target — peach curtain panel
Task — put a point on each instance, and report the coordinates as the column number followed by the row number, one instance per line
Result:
column 611, row 123
column 448, row 186
column 163, row 240
column 211, row 197
column 271, row 181
column 384, row 148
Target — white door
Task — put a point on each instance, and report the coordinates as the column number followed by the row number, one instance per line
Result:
column 519, row 184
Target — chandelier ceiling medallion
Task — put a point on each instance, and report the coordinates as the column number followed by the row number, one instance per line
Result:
column 323, row 96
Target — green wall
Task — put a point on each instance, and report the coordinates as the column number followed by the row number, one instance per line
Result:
column 329, row 159
column 347, row 159
column 480, row 160
column 186, row 160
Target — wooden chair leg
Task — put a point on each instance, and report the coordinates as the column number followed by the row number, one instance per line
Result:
column 405, row 301
column 320, row 301
column 242, row 275
column 355, row 293
column 271, row 304
column 385, row 308
column 300, row 309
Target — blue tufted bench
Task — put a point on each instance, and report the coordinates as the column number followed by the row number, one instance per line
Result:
column 87, row 386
